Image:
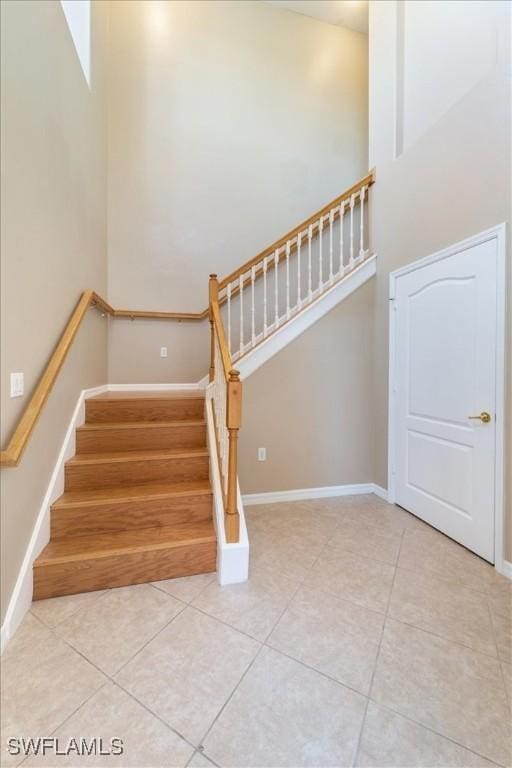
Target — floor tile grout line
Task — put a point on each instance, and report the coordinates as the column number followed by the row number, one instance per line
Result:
column 370, row 698
column 155, row 714
column 262, row 645
column 443, row 637
column 198, row 752
column 117, row 671
column 314, row 669
column 436, row 733
column 187, row 602
column 225, row 624
column 112, row 679
column 221, row 710
column 507, row 692
column 349, row 551
column 299, row 583
column 71, row 714
column 400, row 621
column 183, row 608
column 203, row 754
column 443, row 576
column 377, row 655
column 498, row 654
column 104, row 591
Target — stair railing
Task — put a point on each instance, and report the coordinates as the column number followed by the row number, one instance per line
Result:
column 265, row 293
column 269, row 290
column 226, row 396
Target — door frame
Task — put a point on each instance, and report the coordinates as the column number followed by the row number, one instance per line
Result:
column 497, row 233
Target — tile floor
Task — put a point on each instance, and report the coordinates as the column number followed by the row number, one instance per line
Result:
column 363, row 638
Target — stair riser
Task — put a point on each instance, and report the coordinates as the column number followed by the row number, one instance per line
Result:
column 97, row 411
column 130, row 515
column 121, row 570
column 115, row 473
column 140, row 438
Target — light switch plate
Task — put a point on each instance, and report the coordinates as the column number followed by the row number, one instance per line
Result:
column 17, row 384
column 163, row 351
column 262, row 454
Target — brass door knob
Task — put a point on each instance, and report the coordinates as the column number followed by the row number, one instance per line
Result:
column 484, row 416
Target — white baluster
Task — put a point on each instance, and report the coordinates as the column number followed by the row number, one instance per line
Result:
column 241, row 292
column 265, row 297
column 287, row 279
column 310, row 235
column 361, row 224
column 352, row 200
column 320, row 255
column 331, row 273
column 253, row 330
column 299, row 243
column 342, row 257
column 228, row 291
column 276, row 288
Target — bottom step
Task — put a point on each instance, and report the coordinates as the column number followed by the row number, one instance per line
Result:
column 87, row 563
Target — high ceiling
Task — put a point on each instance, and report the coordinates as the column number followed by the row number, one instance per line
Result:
column 344, row 13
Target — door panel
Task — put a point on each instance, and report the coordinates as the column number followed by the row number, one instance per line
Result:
column 445, row 340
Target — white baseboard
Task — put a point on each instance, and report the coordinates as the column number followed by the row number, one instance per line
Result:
column 381, row 492
column 505, row 568
column 21, row 597
column 299, row 494
column 155, row 387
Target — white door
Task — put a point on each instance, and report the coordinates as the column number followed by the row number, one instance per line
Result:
column 445, row 321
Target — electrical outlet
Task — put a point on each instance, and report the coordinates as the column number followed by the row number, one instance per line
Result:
column 262, row 454
column 17, row 384
column 163, row 351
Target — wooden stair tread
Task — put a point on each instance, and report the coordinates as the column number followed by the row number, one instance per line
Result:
column 138, row 503
column 194, row 394
column 125, row 543
column 124, row 456
column 101, row 425
column 124, row 493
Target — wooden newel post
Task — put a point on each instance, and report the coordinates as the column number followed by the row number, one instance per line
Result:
column 213, row 291
column 233, row 421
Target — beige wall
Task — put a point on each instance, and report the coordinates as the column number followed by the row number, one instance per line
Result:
column 53, row 239
column 310, row 406
column 229, row 123
column 453, row 178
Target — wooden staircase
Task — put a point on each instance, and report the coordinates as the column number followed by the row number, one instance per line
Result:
column 137, row 504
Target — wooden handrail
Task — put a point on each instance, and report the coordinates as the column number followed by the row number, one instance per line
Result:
column 104, row 306
column 11, row 455
column 367, row 181
column 218, row 329
column 233, row 410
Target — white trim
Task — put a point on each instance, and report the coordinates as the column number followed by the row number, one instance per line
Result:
column 505, row 569
column 232, row 559
column 381, row 492
column 21, row 597
column 497, row 233
column 156, row 387
column 299, row 494
column 252, row 360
